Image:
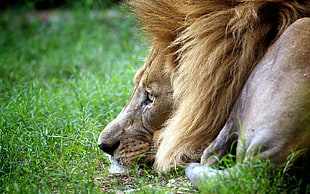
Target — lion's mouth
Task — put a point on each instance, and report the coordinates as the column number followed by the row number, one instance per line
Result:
column 115, row 166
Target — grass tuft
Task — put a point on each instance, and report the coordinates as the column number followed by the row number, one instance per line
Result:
column 257, row 176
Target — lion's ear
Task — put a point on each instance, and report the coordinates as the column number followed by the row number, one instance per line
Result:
column 161, row 19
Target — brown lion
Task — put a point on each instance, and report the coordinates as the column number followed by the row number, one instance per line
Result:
column 188, row 95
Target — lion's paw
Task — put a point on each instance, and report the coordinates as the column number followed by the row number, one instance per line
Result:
column 196, row 172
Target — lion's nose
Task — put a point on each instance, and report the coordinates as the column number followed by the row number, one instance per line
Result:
column 109, row 148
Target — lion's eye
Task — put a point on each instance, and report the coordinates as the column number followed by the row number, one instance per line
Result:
column 150, row 97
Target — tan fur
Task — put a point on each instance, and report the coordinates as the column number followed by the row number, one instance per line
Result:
column 214, row 45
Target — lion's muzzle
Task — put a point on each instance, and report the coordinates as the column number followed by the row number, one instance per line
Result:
column 108, row 140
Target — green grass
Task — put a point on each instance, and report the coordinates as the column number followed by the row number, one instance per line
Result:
column 61, row 81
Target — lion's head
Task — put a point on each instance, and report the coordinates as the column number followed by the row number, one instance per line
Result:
column 132, row 135
column 202, row 53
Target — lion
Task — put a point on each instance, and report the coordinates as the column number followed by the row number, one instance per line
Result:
column 198, row 84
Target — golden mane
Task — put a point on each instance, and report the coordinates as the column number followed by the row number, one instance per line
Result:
column 211, row 47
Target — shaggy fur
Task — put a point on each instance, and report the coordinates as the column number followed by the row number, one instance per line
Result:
column 210, row 48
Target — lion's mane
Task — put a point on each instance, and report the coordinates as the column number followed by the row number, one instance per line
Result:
column 210, row 49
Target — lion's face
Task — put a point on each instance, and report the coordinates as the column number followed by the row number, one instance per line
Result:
column 132, row 135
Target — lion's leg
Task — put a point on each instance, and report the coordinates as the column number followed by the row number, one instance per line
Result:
column 274, row 106
column 216, row 150
column 221, row 145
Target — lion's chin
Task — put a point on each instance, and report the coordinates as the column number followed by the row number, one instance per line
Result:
column 115, row 168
